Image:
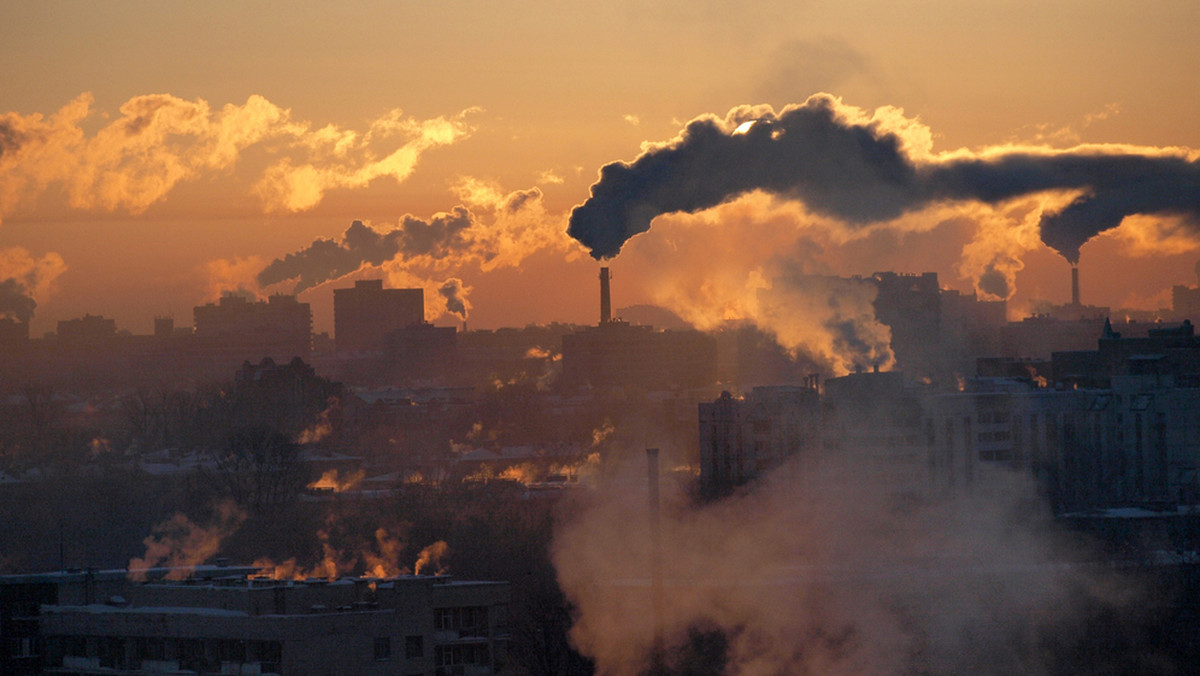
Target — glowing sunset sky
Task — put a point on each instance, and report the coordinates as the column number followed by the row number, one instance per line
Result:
column 154, row 154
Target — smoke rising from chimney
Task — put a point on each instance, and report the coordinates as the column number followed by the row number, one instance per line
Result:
column 831, row 567
column 455, row 293
column 14, row 302
column 491, row 229
column 23, row 278
column 864, row 169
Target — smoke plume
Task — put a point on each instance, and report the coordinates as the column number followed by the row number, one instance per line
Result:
column 180, row 544
column 159, row 140
column 326, row 259
column 860, row 169
column 772, row 271
column 830, row 568
column 490, row 229
column 14, row 302
column 23, row 278
column 455, row 293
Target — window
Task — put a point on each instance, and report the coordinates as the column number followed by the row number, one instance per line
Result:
column 414, row 646
column 468, row 621
column 471, row 653
column 383, row 648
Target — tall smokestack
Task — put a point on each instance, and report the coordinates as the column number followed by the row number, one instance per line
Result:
column 657, row 658
column 605, row 298
column 1075, row 285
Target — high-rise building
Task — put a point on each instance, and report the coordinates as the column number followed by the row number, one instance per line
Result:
column 364, row 314
column 235, row 329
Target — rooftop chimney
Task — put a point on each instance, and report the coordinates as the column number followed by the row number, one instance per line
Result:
column 1075, row 286
column 605, row 299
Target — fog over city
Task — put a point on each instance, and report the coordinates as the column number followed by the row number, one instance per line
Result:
column 631, row 340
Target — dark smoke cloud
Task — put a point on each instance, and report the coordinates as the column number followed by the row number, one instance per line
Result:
column 456, row 297
column 842, row 166
column 15, row 301
column 326, row 259
column 993, row 282
column 10, row 138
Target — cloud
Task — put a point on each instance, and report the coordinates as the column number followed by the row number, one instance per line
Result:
column 865, row 169
column 159, row 140
column 341, row 159
column 236, row 275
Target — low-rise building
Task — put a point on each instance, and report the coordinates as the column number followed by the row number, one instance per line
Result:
column 234, row 621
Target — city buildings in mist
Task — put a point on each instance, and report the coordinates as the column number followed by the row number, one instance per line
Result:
column 943, row 438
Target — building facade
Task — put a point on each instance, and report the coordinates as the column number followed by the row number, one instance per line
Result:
column 228, row 622
column 365, row 314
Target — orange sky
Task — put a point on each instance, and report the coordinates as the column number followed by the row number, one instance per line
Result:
column 406, row 108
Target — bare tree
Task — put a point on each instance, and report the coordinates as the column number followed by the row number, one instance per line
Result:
column 260, row 467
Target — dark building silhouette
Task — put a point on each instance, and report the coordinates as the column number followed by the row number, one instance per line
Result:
column 741, row 439
column 1185, row 302
column 164, row 327
column 89, row 329
column 420, row 351
column 364, row 314
column 235, row 329
column 285, row 397
column 1168, row 352
column 14, row 336
column 615, row 354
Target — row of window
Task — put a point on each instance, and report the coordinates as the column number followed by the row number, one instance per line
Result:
column 467, row 621
column 414, row 647
column 117, row 652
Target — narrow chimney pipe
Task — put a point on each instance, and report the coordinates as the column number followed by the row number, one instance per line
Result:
column 658, row 657
column 605, row 298
column 1075, row 285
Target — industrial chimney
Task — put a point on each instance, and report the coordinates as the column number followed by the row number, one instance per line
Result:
column 605, row 299
column 658, row 652
column 1075, row 286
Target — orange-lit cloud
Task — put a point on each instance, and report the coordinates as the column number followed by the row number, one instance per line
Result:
column 235, row 275
column 160, row 140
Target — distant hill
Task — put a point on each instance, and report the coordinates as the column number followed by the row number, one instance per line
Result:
column 652, row 315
